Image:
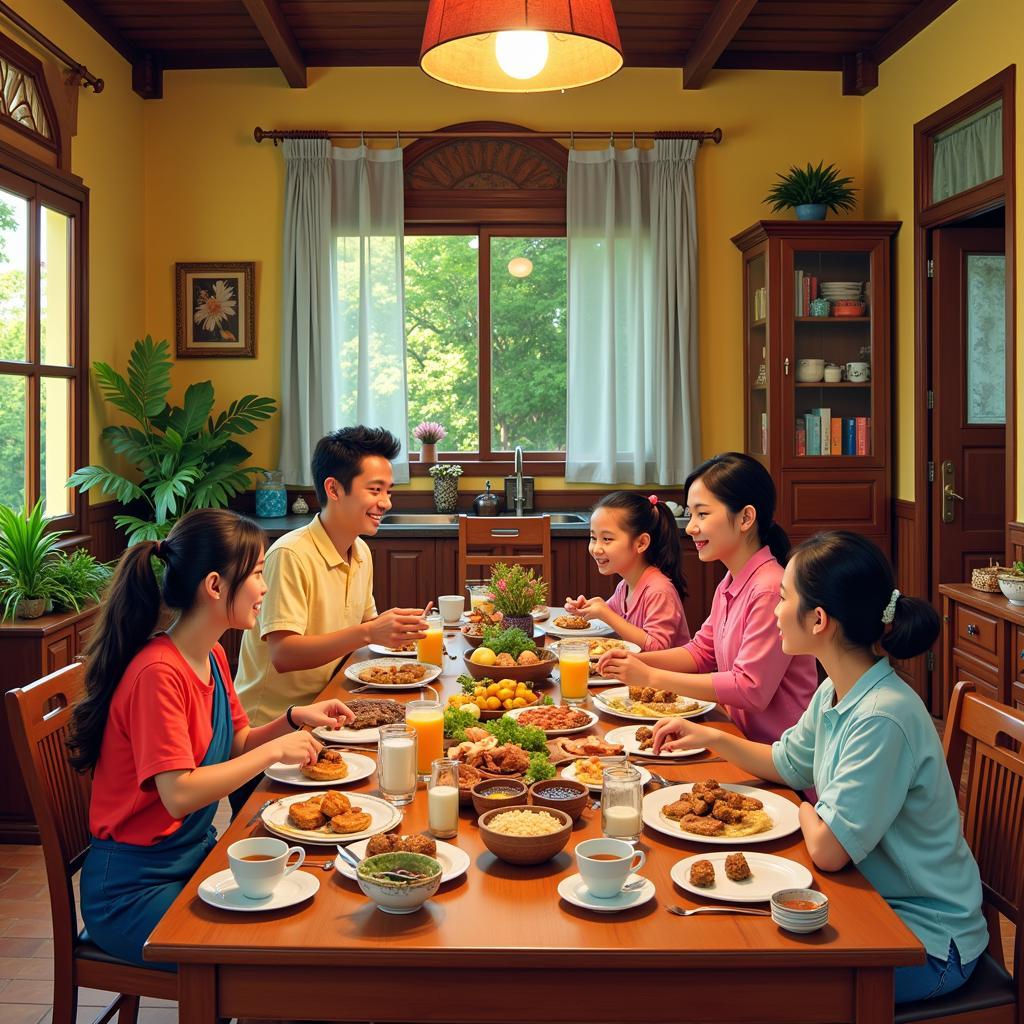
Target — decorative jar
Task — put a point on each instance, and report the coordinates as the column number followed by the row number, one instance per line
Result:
column 271, row 497
column 446, row 493
column 820, row 307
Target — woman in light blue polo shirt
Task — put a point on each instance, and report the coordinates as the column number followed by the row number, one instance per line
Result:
column 869, row 748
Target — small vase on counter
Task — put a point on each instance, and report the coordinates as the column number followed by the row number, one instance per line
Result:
column 428, row 452
column 446, row 493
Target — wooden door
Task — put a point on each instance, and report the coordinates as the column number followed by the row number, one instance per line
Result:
column 968, row 505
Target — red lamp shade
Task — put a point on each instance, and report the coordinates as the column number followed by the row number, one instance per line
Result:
column 463, row 41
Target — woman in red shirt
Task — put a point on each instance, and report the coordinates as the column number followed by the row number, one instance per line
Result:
column 161, row 727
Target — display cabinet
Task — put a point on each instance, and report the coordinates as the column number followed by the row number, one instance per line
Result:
column 817, row 370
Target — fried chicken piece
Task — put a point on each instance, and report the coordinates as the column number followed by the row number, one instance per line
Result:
column 389, row 843
column 334, row 803
column 736, row 867
column 528, row 658
column 649, row 695
column 419, row 844
column 508, row 759
column 734, row 800
column 307, row 815
column 680, row 809
column 351, row 820
column 702, row 826
column 329, row 766
column 505, row 660
column 468, row 777
column 700, row 806
column 702, row 873
column 709, row 791
column 572, row 622
column 645, row 737
column 751, row 803
column 723, row 812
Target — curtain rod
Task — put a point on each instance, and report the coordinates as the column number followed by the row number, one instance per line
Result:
column 80, row 70
column 275, row 135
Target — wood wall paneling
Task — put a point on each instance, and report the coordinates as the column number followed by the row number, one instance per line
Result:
column 913, row 671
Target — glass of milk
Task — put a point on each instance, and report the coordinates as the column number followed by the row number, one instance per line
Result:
column 396, row 763
column 621, row 797
column 443, row 798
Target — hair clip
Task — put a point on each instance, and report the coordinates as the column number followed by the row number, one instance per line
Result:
column 889, row 611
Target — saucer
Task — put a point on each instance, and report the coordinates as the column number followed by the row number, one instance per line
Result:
column 573, row 890
column 221, row 890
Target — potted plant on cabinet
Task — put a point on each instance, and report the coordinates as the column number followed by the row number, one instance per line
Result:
column 26, row 551
column 811, row 192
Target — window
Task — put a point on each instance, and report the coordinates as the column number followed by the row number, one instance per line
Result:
column 485, row 335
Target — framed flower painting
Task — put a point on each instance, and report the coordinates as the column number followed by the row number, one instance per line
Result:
column 215, row 309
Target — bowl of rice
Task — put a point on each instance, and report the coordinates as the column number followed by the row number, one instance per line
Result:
column 524, row 834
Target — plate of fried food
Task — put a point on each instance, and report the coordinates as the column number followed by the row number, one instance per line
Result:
column 572, row 626
column 566, row 748
column 371, row 714
column 453, row 861
column 331, row 766
column 639, row 739
column 736, row 877
column 404, row 651
column 647, row 704
column 555, row 719
column 329, row 817
column 590, row 771
column 707, row 812
column 392, row 673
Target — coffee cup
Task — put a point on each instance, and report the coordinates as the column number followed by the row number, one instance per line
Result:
column 605, row 864
column 858, row 372
column 451, row 606
column 259, row 864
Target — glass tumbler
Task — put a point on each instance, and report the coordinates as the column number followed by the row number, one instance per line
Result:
column 573, row 670
column 396, row 764
column 443, row 798
column 621, row 799
column 431, row 648
column 426, row 717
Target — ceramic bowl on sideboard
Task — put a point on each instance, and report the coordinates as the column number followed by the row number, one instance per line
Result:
column 810, row 370
column 1013, row 589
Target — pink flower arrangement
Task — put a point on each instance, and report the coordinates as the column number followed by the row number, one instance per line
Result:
column 429, row 432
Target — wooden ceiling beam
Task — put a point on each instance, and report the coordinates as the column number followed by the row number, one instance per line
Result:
column 277, row 34
column 722, row 25
column 860, row 73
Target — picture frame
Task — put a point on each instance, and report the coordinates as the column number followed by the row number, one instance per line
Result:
column 215, row 310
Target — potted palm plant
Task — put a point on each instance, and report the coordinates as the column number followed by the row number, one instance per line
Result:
column 27, row 550
column 811, row 192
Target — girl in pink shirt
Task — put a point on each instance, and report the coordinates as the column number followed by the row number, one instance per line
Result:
column 736, row 658
column 637, row 538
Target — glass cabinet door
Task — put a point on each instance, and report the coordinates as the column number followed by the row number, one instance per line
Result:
column 757, row 354
column 830, row 364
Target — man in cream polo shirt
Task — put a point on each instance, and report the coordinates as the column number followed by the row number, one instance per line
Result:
column 319, row 603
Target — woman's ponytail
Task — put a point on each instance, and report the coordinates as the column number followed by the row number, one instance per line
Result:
column 777, row 540
column 915, row 627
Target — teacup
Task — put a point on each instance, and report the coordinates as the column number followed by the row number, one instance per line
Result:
column 858, row 372
column 605, row 864
column 451, row 606
column 833, row 373
column 259, row 864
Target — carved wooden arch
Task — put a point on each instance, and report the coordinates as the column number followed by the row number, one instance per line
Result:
column 485, row 179
column 30, row 119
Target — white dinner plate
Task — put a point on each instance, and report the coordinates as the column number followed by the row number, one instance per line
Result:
column 390, row 652
column 329, row 736
column 569, row 772
column 626, row 735
column 382, row 817
column 596, row 628
column 359, row 767
column 453, row 861
column 768, row 874
column 574, row 890
column 353, row 672
column 221, row 890
column 626, row 645
column 591, row 721
column 622, row 692
column 783, row 813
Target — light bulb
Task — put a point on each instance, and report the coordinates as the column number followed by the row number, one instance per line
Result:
column 520, row 266
column 521, row 54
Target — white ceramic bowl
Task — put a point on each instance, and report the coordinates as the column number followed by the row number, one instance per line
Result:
column 395, row 897
column 1013, row 589
column 800, row 921
column 810, row 370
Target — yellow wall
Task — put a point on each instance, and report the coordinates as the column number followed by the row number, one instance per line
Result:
column 107, row 154
column 213, row 194
column 965, row 46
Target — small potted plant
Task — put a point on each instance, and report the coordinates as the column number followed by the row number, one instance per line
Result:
column 1011, row 583
column 27, row 550
column 429, row 434
column 446, row 485
column 517, row 591
column 811, row 192
column 79, row 577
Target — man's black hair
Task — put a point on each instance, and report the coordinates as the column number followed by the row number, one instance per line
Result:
column 340, row 454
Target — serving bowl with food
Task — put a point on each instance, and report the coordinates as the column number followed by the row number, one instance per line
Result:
column 512, row 654
column 399, row 883
column 525, row 834
column 454, row 861
column 561, row 794
column 800, row 910
column 490, row 793
column 493, row 698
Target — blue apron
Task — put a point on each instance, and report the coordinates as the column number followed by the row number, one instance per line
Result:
column 126, row 889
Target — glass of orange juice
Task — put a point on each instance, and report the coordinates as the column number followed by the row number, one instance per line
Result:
column 574, row 669
column 431, row 648
column 426, row 718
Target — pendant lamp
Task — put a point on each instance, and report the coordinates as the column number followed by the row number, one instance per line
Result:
column 520, row 45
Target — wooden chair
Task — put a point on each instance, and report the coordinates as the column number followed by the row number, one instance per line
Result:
column 40, row 717
column 993, row 813
column 485, row 540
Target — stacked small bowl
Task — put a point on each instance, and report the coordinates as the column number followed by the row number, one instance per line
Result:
column 800, row 920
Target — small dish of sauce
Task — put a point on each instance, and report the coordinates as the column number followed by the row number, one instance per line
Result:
column 798, row 904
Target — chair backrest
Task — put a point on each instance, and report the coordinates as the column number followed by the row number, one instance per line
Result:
column 40, row 720
column 989, row 738
column 486, row 540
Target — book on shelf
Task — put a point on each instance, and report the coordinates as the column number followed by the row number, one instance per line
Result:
column 801, row 436
column 812, row 426
column 837, row 436
column 849, row 436
column 764, row 433
column 826, row 431
column 806, row 290
column 863, row 435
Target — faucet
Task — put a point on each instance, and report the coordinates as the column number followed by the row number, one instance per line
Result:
column 519, row 479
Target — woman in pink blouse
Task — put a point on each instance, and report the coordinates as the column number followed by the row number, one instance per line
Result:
column 636, row 537
column 736, row 658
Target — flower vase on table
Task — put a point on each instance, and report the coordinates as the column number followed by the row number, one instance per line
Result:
column 517, row 591
column 446, row 486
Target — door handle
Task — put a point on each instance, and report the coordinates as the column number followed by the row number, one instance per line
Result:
column 949, row 495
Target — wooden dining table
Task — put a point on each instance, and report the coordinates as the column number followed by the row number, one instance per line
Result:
column 499, row 945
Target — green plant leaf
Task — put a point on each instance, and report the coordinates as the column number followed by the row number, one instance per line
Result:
column 130, row 442
column 141, row 529
column 117, row 392
column 113, row 483
column 819, row 185
column 198, row 405
column 242, row 415
column 220, row 484
column 167, row 492
column 149, row 374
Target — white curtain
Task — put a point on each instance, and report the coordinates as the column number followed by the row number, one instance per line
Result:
column 633, row 403
column 968, row 153
column 308, row 376
column 368, row 325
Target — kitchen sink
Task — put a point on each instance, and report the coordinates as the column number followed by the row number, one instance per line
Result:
column 418, row 519
column 570, row 517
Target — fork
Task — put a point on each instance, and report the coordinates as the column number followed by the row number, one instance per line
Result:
column 683, row 912
column 660, row 779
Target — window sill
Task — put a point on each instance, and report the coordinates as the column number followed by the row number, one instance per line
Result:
column 473, row 465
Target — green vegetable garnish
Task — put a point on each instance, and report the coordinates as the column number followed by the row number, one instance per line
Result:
column 540, row 768
column 507, row 641
column 507, row 730
column 468, row 683
column 456, row 722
